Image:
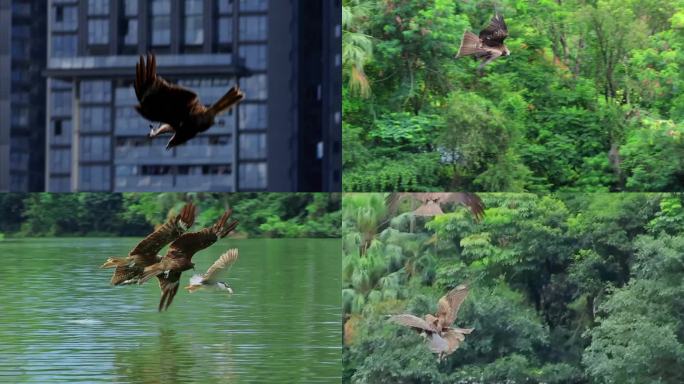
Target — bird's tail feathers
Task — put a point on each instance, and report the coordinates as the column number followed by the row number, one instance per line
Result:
column 229, row 100
column 150, row 272
column 469, row 44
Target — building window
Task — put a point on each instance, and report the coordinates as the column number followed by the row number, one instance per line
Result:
column 253, row 176
column 252, row 146
column 61, row 132
column 129, row 25
column 61, row 103
column 254, row 56
column 60, row 160
column 96, row 148
column 225, row 7
column 65, row 17
column 194, row 22
column 224, row 22
column 96, row 91
column 160, row 13
column 252, row 116
column 64, row 46
column 98, row 31
column 95, row 119
column 255, row 87
column 253, row 5
column 253, row 28
column 217, row 169
column 94, row 178
column 98, row 22
column 60, row 184
column 98, row 7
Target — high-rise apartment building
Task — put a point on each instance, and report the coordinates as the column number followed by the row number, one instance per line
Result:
column 22, row 95
column 283, row 137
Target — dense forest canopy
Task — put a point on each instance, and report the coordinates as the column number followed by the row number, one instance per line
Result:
column 591, row 98
column 136, row 214
column 564, row 288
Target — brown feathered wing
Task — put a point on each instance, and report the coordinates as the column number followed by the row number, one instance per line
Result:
column 495, row 33
column 413, row 322
column 160, row 100
column 146, row 251
column 449, row 304
column 190, row 243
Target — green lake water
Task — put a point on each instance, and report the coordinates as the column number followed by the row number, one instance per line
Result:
column 61, row 321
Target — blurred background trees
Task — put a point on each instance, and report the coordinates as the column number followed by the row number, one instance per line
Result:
column 136, row 214
column 565, row 288
column 589, row 100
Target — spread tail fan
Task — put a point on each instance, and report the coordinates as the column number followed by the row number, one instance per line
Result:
column 228, row 100
column 469, row 45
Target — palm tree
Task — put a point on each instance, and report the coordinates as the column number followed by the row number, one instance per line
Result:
column 357, row 47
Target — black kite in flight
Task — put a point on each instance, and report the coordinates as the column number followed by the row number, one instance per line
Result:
column 487, row 47
column 177, row 108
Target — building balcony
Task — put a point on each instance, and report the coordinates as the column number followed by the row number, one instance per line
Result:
column 138, row 155
column 177, row 183
column 152, row 183
column 204, row 183
column 184, row 155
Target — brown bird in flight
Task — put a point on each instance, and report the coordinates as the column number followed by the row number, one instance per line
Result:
column 487, row 47
column 212, row 279
column 443, row 339
column 129, row 269
column 178, row 109
column 430, row 202
column 179, row 257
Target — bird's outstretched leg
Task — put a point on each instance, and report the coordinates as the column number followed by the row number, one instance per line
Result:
column 163, row 128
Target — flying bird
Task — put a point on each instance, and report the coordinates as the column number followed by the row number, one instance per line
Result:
column 442, row 338
column 178, row 109
column 213, row 278
column 430, row 202
column 179, row 257
column 129, row 269
column 489, row 45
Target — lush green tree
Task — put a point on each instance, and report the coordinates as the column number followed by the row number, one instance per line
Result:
column 588, row 101
column 564, row 288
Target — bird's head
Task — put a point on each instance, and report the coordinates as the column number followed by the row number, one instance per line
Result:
column 224, row 287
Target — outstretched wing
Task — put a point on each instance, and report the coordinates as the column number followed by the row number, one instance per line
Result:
column 169, row 287
column 413, row 322
column 394, row 200
column 495, row 33
column 171, row 230
column 159, row 99
column 449, row 304
column 221, row 266
column 467, row 199
column 190, row 243
column 430, row 202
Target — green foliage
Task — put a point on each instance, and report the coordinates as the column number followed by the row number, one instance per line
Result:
column 136, row 214
column 589, row 99
column 565, row 288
